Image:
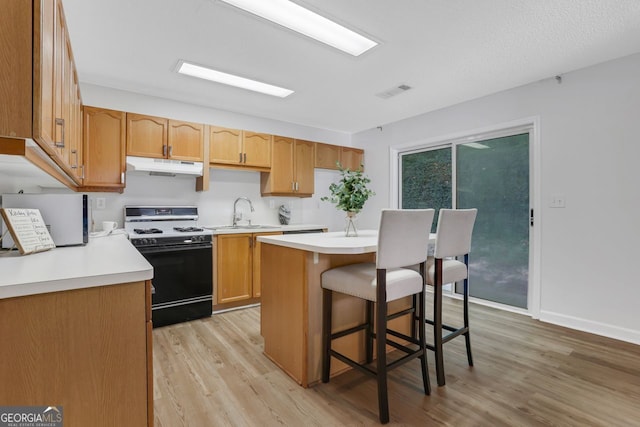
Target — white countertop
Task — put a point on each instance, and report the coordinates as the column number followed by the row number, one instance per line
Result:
column 334, row 242
column 283, row 228
column 103, row 261
column 327, row 243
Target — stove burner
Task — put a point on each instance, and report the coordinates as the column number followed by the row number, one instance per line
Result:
column 147, row 231
column 187, row 229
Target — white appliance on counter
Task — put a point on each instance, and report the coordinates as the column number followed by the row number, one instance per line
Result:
column 65, row 215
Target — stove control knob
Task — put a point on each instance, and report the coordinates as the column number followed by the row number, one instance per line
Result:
column 151, row 241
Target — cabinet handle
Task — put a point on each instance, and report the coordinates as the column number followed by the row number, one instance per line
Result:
column 170, row 150
column 122, row 178
column 76, row 154
column 293, row 186
column 245, row 157
column 164, row 150
column 82, row 169
column 60, row 122
column 240, row 159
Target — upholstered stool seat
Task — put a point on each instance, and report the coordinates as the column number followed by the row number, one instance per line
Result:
column 359, row 280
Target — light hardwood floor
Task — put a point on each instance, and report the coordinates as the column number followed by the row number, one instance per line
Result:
column 527, row 373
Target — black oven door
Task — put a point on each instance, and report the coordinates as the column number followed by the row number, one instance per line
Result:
column 183, row 282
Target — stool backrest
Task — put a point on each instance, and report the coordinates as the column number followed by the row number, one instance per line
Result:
column 403, row 237
column 453, row 236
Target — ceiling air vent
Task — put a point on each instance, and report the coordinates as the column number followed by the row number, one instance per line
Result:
column 393, row 91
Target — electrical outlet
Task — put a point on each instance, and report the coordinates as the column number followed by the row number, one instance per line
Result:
column 101, row 203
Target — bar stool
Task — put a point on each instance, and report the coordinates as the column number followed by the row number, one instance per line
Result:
column 403, row 239
column 453, row 239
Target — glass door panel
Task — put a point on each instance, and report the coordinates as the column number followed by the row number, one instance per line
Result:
column 493, row 176
column 426, row 180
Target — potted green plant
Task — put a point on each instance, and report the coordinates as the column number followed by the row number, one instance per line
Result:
column 349, row 195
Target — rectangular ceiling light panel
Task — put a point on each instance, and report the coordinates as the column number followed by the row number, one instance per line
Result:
column 304, row 21
column 201, row 72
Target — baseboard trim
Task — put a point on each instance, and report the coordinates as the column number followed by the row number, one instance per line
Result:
column 597, row 328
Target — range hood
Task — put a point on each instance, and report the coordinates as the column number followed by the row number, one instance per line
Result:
column 163, row 167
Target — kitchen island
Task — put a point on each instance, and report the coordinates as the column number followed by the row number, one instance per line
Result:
column 75, row 327
column 291, row 310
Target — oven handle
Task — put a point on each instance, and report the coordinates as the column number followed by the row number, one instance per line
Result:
column 173, row 248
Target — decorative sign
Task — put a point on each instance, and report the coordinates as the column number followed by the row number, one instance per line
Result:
column 27, row 229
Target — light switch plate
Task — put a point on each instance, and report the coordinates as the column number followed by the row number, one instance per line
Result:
column 557, row 201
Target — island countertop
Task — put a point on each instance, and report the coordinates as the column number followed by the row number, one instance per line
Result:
column 327, row 243
column 103, row 261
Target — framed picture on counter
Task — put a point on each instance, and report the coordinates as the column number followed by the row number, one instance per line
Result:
column 28, row 230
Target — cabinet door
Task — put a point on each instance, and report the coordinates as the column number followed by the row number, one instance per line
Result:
column 234, row 267
column 60, row 97
column 225, row 145
column 257, row 285
column 327, row 156
column 104, row 147
column 304, row 167
column 146, row 136
column 281, row 178
column 257, row 149
column 352, row 158
column 44, row 127
column 186, row 140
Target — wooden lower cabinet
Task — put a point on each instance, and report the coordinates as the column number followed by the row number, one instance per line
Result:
column 87, row 350
column 237, row 269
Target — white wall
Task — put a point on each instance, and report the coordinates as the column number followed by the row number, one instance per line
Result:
column 215, row 205
column 589, row 150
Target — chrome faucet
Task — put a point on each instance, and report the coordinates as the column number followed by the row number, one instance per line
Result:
column 236, row 216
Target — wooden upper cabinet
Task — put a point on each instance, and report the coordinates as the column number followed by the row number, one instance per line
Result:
column 304, row 167
column 257, row 149
column 327, row 156
column 225, row 145
column 281, row 179
column 38, row 99
column 44, row 82
column 292, row 164
column 352, row 158
column 104, row 148
column 147, row 136
column 186, row 141
column 239, row 149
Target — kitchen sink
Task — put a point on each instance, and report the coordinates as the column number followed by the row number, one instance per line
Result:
column 242, row 227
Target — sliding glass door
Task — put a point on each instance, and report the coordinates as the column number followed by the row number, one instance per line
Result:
column 492, row 175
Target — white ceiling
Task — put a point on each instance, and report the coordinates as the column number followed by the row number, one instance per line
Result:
column 449, row 51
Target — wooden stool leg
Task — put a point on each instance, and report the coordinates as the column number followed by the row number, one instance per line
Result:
column 437, row 323
column 467, row 335
column 369, row 332
column 326, row 334
column 422, row 337
column 381, row 349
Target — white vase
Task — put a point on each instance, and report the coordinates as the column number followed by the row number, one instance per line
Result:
column 350, row 229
